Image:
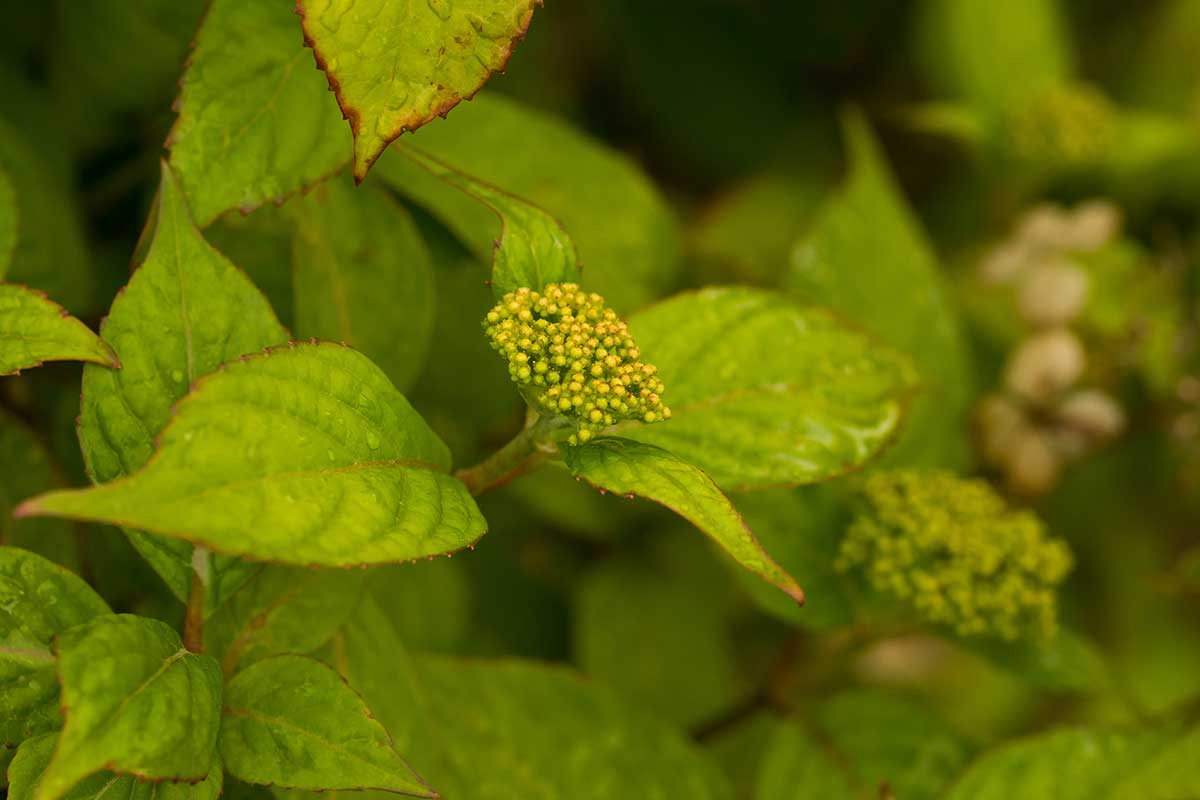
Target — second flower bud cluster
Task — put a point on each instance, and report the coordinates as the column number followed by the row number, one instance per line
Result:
column 576, row 356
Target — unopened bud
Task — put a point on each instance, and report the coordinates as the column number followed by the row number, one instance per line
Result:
column 1045, row 364
column 1094, row 413
column 1053, row 293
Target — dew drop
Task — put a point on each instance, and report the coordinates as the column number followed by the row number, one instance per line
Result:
column 440, row 7
column 177, row 376
column 372, row 440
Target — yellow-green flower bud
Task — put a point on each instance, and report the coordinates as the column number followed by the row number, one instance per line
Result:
column 952, row 550
column 540, row 333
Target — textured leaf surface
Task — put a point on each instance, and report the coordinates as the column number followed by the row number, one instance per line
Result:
column 306, row 455
column 626, row 234
column 185, row 311
column 255, row 119
column 495, row 730
column 764, row 392
column 636, row 468
column 362, row 275
column 38, row 599
column 867, row 258
column 33, row 329
column 396, row 66
column 293, row 722
column 34, row 756
column 135, row 701
column 281, row 610
column 532, row 249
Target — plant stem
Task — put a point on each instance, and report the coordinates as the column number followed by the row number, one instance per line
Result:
column 193, row 627
column 526, row 450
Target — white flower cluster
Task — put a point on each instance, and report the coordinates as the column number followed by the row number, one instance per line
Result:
column 1044, row 417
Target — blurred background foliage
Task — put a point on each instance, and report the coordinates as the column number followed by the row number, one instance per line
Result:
column 1009, row 191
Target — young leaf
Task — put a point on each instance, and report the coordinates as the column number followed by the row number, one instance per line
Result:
column 33, row 330
column 866, row 257
column 464, row 723
column 627, row 235
column 396, row 66
column 38, row 599
column 34, row 756
column 533, row 249
column 135, row 701
column 636, row 468
column 362, row 275
column 292, row 722
column 185, row 311
column 255, row 122
column 281, row 610
column 766, row 393
column 306, row 455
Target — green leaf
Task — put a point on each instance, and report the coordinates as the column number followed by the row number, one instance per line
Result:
column 1173, row 771
column 293, row 722
column 185, row 311
column 255, row 122
column 136, row 702
column 281, row 610
column 396, row 66
column 802, row 530
column 8, row 221
column 38, row 599
column 50, row 252
column 766, row 393
column 657, row 627
column 533, row 249
column 26, row 470
column 636, row 468
column 305, row 455
column 884, row 738
column 362, row 275
column 867, row 258
column 626, row 233
column 33, row 329
column 1067, row 764
column 993, row 52
column 482, row 730
column 34, row 756
column 797, row 767
column 429, row 602
column 1066, row 662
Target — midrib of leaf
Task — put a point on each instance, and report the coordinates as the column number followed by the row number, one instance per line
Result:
column 314, row 736
column 127, row 699
column 183, row 307
column 267, row 106
column 37, row 654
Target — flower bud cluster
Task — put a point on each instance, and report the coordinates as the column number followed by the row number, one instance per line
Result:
column 1043, row 417
column 574, row 358
column 956, row 554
